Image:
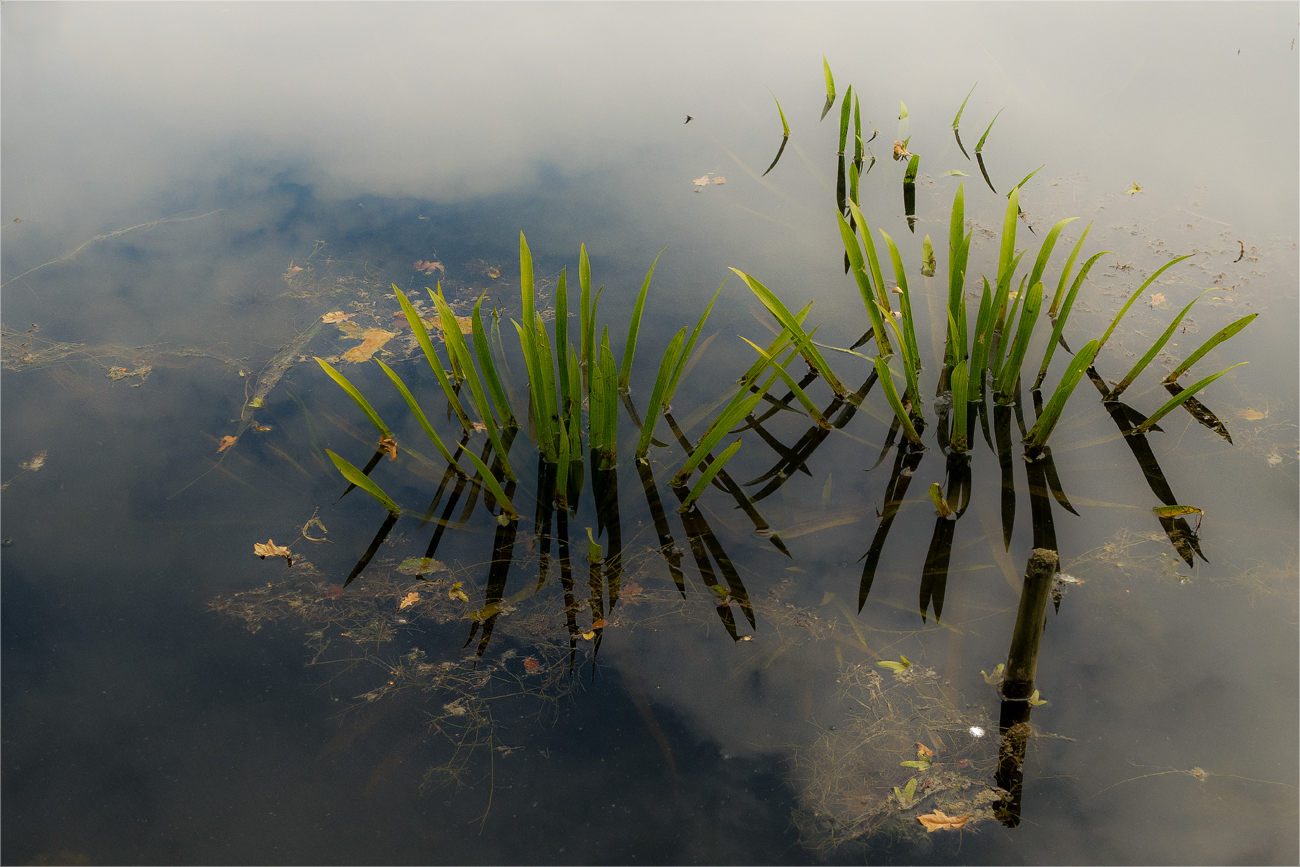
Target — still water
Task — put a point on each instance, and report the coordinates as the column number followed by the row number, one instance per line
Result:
column 189, row 189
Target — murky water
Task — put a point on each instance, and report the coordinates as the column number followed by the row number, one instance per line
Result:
column 178, row 210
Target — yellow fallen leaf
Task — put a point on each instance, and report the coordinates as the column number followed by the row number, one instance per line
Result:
column 456, row 593
column 939, row 821
column 493, row 272
column 409, row 599
column 226, row 442
column 699, row 182
column 390, row 446
column 371, row 343
column 589, row 635
column 270, row 549
column 429, row 267
column 1157, row 298
column 336, row 316
column 1134, row 189
column 719, row 180
column 464, row 323
column 1251, row 414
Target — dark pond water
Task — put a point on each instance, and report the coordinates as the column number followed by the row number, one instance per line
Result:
column 188, row 190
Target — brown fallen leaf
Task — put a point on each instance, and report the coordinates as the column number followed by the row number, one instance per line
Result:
column 336, row 316
column 699, row 182
column 900, row 151
column 719, row 180
column 456, row 593
column 389, row 445
column 270, row 549
column 409, row 599
column 292, row 269
column 464, row 323
column 923, row 750
column 1157, row 298
column 227, row 442
column 429, row 267
column 371, row 343
column 600, row 624
column 939, row 821
column 1251, row 414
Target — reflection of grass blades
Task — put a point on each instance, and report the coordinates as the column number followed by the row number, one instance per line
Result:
column 886, row 377
column 1152, row 352
column 420, row 416
column 356, row 396
column 1042, row 429
column 1182, row 396
column 422, row 336
column 798, row 392
column 455, row 342
column 666, row 367
column 603, row 411
column 1004, row 389
column 979, row 147
column 358, row 478
column 707, row 476
column 625, row 373
column 1059, row 326
column 1214, row 341
column 1141, row 289
column 797, row 334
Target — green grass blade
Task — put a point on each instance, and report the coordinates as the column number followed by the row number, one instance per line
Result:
column 491, row 483
column 485, row 361
column 1045, row 251
column 858, row 266
column 358, row 478
column 830, row 87
column 957, row 120
column 356, row 397
column 666, row 367
column 547, row 419
column 1026, row 178
column 1059, row 326
column 784, row 123
column 1051, row 414
column 886, row 377
column 725, row 422
column 431, row 355
column 1151, row 353
column 958, row 248
column 979, row 353
column 707, row 476
column 1006, row 385
column 625, row 373
column 928, row 263
column 913, row 166
column 798, row 392
column 421, row 418
column 1214, row 341
column 1120, row 315
column 979, row 147
column 585, row 314
column 567, row 399
column 909, row 369
column 1066, row 271
column 455, row 342
column 775, row 348
column 912, row 353
column 857, row 135
column 1182, row 396
column 846, row 105
column 960, row 404
column 1002, row 328
column 788, row 322
column 1008, row 248
column 877, row 279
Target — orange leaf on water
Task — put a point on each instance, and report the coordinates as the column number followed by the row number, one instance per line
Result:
column 389, row 445
column 940, row 821
column 409, row 599
column 923, row 750
column 227, row 442
column 336, row 316
column 270, row 549
column 371, row 342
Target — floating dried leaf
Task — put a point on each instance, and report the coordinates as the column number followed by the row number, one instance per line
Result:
column 429, row 267
column 900, row 151
column 372, row 341
column 1157, row 298
column 409, row 599
column 493, row 272
column 420, row 565
column 923, row 750
column 270, row 549
column 589, row 635
column 531, row 665
column 226, row 442
column 336, row 316
column 1251, row 414
column 389, row 445
column 599, row 624
column 456, row 593
column 35, row 463
column 1134, row 189
column 940, row 821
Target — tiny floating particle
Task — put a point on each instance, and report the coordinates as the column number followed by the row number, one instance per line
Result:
column 976, row 732
column 531, row 665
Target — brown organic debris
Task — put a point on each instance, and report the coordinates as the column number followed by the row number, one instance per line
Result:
column 940, row 821
column 270, row 549
column 428, row 267
column 389, row 445
column 226, row 442
column 372, row 341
